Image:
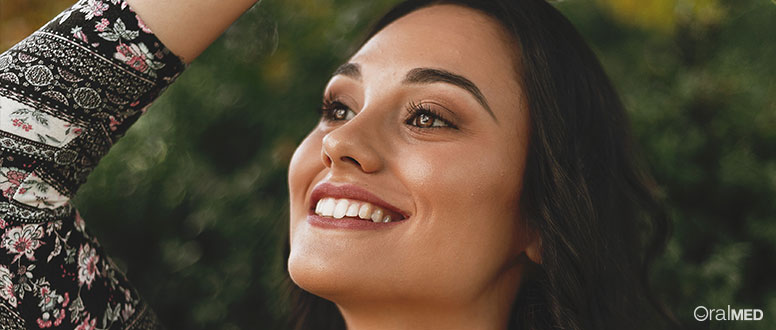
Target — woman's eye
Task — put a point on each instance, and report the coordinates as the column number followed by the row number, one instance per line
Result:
column 336, row 111
column 426, row 119
column 340, row 114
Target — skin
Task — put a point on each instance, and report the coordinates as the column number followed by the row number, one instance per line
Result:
column 187, row 27
column 456, row 261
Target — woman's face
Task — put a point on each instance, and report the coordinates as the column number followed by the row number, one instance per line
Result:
column 426, row 123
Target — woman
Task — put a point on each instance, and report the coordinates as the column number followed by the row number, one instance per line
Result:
column 471, row 170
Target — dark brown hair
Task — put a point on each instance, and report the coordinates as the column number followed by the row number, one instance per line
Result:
column 584, row 192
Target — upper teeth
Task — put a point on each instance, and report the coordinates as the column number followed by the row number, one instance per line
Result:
column 340, row 208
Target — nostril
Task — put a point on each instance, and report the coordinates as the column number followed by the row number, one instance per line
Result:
column 327, row 160
column 350, row 159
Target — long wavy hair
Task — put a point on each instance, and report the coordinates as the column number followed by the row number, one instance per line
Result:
column 585, row 193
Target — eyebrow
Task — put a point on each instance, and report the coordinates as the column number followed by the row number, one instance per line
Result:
column 351, row 70
column 425, row 76
column 429, row 75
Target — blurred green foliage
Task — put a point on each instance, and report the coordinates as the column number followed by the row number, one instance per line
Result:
column 702, row 100
column 193, row 201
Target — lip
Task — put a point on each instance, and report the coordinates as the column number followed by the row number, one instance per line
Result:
column 354, row 192
column 349, row 223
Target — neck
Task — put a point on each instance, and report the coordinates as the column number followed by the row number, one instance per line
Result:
column 490, row 309
column 393, row 317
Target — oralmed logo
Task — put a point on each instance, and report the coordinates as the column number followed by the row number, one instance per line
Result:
column 702, row 313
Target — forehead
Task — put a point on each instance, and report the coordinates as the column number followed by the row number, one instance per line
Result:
column 449, row 33
column 450, row 37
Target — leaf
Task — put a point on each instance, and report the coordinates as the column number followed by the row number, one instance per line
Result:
column 70, row 255
column 110, row 36
column 129, row 35
column 75, row 309
column 119, row 26
column 112, row 313
column 57, row 250
column 40, row 117
column 121, row 30
column 65, row 16
column 110, row 316
column 158, row 65
column 53, row 138
column 21, row 111
column 42, row 186
column 41, row 138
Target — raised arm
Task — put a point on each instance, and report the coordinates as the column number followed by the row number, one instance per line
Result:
column 68, row 92
column 187, row 27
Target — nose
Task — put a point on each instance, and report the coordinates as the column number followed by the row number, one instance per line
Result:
column 351, row 146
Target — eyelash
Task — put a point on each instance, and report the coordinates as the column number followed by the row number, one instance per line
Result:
column 328, row 107
column 416, row 109
column 413, row 111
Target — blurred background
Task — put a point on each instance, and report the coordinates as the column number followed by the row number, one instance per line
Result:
column 193, row 201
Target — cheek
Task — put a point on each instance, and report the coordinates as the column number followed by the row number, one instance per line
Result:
column 472, row 179
column 467, row 203
column 305, row 165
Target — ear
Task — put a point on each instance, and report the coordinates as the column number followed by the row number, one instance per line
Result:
column 530, row 243
column 534, row 249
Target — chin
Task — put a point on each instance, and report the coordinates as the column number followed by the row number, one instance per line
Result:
column 318, row 265
column 311, row 278
column 341, row 277
column 320, row 278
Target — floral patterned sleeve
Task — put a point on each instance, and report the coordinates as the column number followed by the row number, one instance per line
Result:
column 67, row 93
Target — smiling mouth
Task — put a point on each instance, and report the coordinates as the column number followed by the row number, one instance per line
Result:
column 343, row 207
